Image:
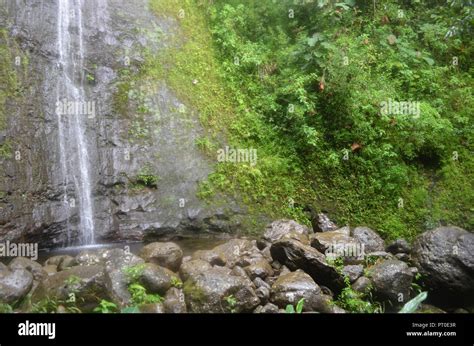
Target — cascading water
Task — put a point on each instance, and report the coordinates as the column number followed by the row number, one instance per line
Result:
column 71, row 95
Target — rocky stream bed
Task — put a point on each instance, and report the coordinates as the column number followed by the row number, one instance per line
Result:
column 290, row 268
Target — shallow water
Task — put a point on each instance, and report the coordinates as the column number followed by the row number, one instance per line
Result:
column 188, row 245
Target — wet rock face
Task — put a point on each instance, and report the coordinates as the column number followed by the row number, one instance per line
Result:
column 33, row 207
column 444, row 258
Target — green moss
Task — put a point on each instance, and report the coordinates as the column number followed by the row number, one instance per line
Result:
column 195, row 293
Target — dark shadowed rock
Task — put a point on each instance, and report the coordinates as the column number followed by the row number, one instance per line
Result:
column 168, row 255
column 291, row 287
column 391, row 281
column 370, row 239
column 445, row 258
column 14, row 284
column 295, row 255
column 399, row 246
column 277, row 229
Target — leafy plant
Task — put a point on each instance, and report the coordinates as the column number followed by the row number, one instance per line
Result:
column 106, row 307
column 298, row 309
column 231, row 302
column 140, row 296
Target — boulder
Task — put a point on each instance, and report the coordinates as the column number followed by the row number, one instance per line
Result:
column 240, row 252
column 152, row 308
column 268, row 308
column 391, row 281
column 370, row 239
column 338, row 244
column 209, row 256
column 14, row 284
column 117, row 261
column 322, row 223
column 174, row 302
column 61, row 261
column 292, row 287
column 295, row 255
column 193, row 268
column 353, row 272
column 157, row 279
column 277, row 229
column 85, row 283
column 445, row 258
column 216, row 291
column 33, row 267
column 260, row 268
column 362, row 285
column 168, row 255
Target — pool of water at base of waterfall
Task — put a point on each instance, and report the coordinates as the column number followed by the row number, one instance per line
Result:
column 189, row 245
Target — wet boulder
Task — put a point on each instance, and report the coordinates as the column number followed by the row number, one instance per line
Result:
column 84, row 284
column 157, row 279
column 292, row 287
column 215, row 290
column 369, row 238
column 193, row 268
column 167, row 254
column 353, row 272
column 240, row 252
column 391, row 280
column 117, row 265
column 277, row 229
column 260, row 268
column 445, row 258
column 296, row 255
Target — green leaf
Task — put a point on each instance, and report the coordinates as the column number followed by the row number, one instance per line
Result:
column 413, row 304
column 299, row 306
column 290, row 309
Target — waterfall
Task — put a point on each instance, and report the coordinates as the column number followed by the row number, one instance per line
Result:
column 71, row 100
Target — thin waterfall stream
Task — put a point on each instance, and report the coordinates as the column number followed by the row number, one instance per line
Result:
column 71, row 95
